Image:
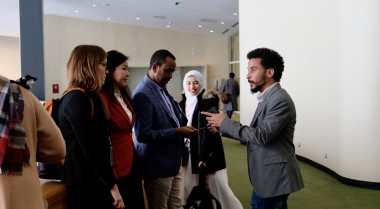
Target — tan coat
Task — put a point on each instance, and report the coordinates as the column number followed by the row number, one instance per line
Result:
column 46, row 144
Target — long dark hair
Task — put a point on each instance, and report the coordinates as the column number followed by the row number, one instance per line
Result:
column 114, row 59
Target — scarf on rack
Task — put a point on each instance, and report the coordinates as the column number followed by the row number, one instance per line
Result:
column 14, row 152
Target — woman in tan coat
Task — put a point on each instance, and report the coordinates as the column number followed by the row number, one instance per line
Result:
column 28, row 134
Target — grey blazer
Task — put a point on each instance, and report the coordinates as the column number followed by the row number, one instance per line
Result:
column 273, row 167
column 231, row 86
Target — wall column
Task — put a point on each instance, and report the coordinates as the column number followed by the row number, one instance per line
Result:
column 31, row 43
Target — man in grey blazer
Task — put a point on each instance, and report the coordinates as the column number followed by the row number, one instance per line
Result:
column 273, row 167
column 231, row 86
column 159, row 133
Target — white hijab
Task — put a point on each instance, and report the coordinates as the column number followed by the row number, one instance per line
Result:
column 191, row 101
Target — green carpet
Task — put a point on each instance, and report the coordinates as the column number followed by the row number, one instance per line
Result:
column 321, row 191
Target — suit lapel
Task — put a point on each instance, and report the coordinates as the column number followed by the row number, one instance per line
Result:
column 157, row 94
column 257, row 112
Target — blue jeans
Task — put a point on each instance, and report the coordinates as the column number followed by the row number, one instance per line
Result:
column 278, row 202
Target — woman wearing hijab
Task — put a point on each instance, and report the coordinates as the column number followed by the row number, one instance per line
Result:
column 28, row 135
column 207, row 150
column 116, row 97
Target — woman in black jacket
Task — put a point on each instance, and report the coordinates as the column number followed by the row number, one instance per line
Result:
column 206, row 150
column 87, row 170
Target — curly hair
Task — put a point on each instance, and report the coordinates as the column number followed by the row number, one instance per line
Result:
column 269, row 59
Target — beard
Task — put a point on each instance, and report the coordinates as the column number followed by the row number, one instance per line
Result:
column 255, row 90
column 258, row 85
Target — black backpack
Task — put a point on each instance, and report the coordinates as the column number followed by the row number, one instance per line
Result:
column 200, row 196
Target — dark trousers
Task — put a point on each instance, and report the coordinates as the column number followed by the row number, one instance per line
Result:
column 278, row 202
column 89, row 196
column 130, row 188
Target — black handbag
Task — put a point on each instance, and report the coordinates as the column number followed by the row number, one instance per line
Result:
column 50, row 170
column 225, row 97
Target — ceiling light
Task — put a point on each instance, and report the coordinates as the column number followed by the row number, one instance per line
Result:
column 137, row 18
column 76, row 11
column 235, row 13
column 211, row 31
column 109, row 19
column 199, row 26
column 94, row 5
column 168, row 26
column 222, row 23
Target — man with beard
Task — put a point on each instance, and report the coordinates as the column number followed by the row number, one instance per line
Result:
column 273, row 168
column 159, row 133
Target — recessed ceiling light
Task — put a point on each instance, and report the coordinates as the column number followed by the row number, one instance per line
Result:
column 94, row 5
column 137, row 18
column 168, row 26
column 211, row 31
column 199, row 26
column 108, row 18
column 235, row 13
column 76, row 11
column 222, row 23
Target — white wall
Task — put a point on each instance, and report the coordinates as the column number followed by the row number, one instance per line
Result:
column 10, row 63
column 61, row 35
column 331, row 51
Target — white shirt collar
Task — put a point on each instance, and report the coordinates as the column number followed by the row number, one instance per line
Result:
column 260, row 95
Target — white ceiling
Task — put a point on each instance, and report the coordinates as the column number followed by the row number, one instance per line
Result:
column 181, row 15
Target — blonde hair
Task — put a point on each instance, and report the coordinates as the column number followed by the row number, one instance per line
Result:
column 82, row 67
column 211, row 94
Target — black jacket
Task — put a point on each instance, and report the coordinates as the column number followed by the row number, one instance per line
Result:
column 84, row 127
column 211, row 149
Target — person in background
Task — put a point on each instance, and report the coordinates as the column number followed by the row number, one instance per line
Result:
column 159, row 133
column 87, row 171
column 28, row 135
column 211, row 156
column 121, row 120
column 231, row 87
column 272, row 163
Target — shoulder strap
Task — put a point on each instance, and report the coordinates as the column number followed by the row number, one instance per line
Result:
column 225, row 87
column 82, row 90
